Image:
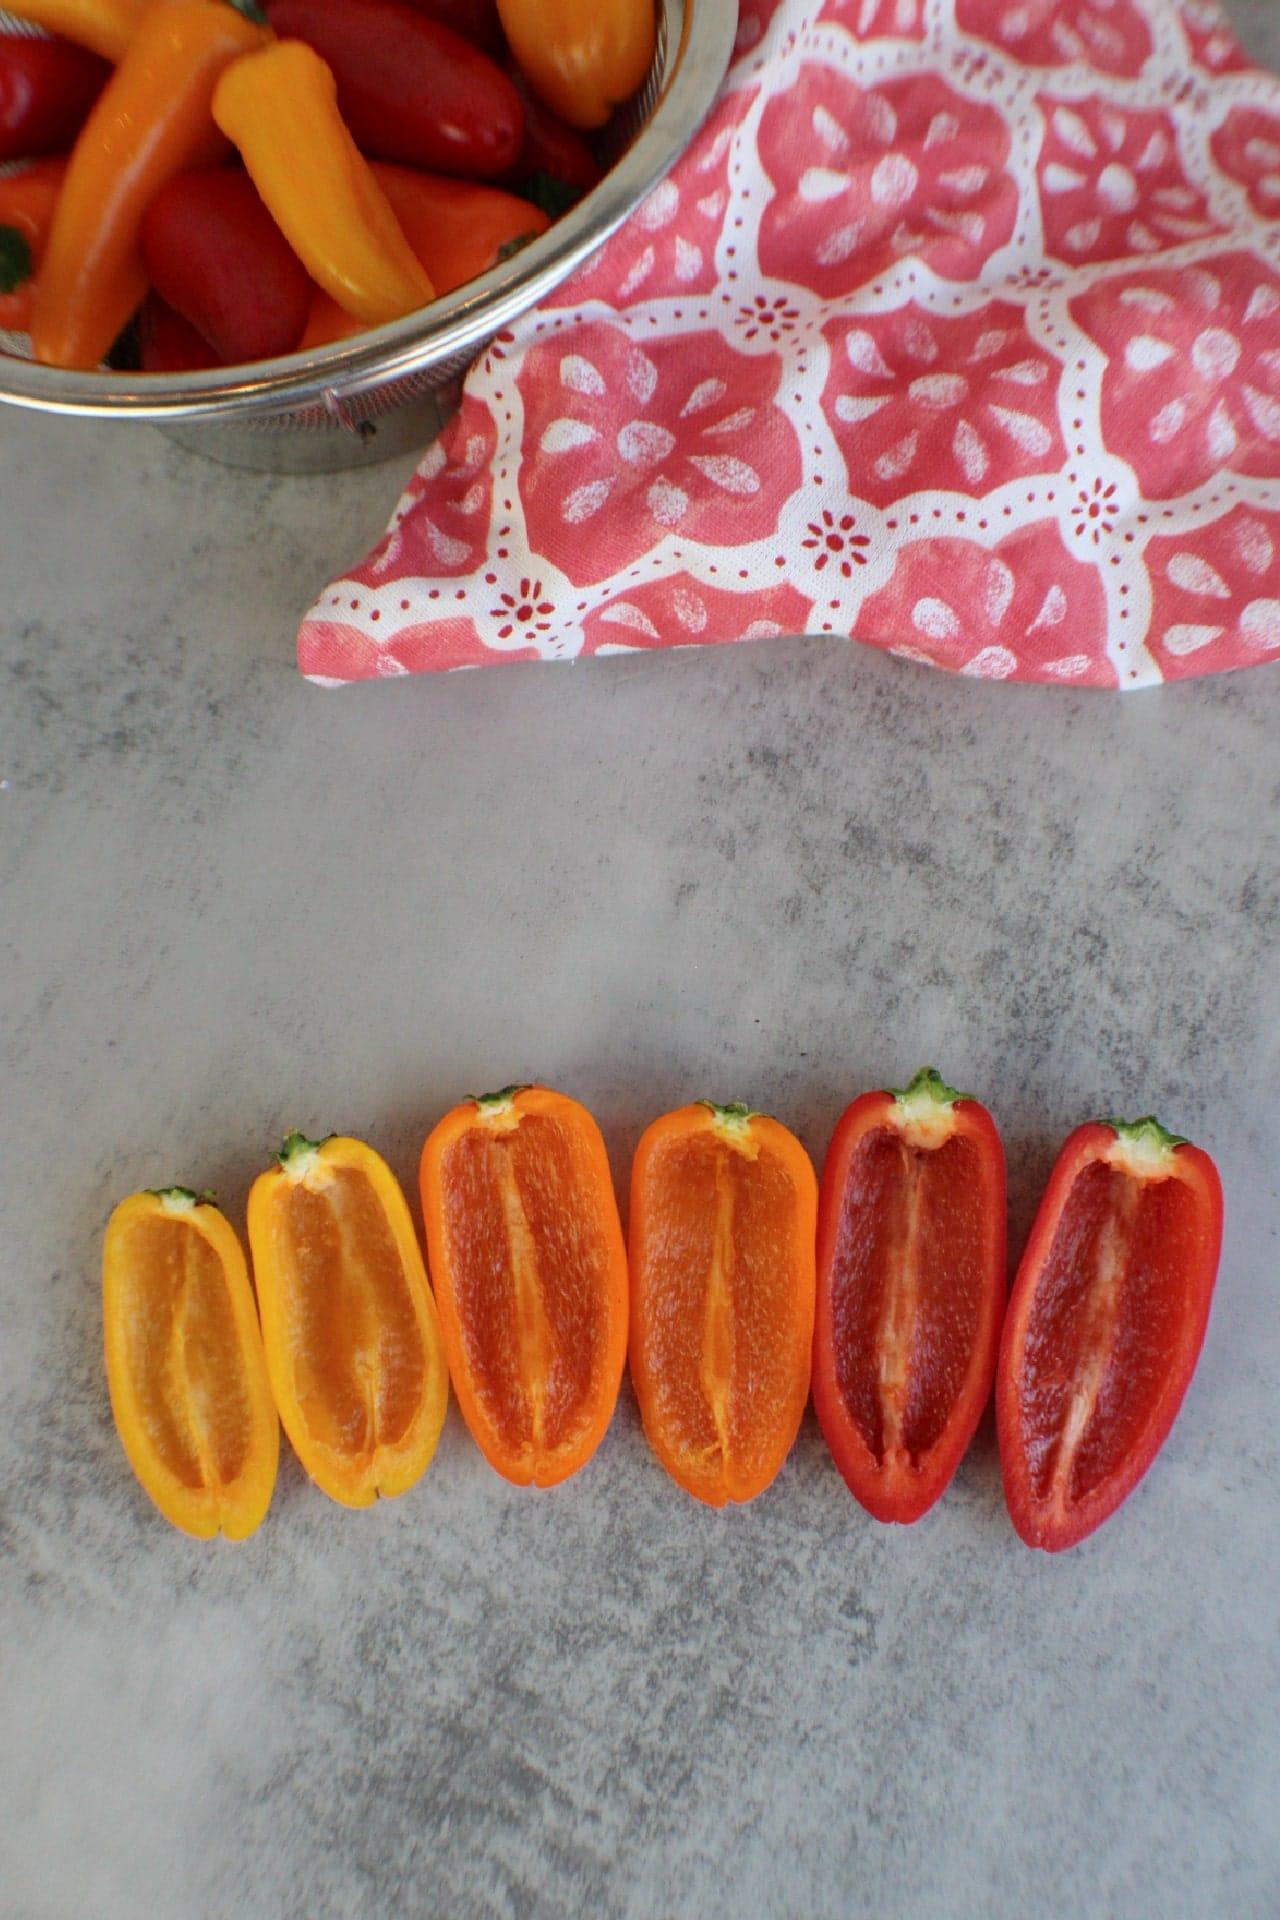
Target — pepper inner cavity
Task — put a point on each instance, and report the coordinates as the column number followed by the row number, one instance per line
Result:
column 359, row 1365
column 183, row 1354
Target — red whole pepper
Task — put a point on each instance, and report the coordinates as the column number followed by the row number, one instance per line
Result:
column 911, row 1281
column 408, row 88
column 169, row 344
column 1105, row 1324
column 476, row 20
column 46, row 90
column 556, row 166
column 215, row 255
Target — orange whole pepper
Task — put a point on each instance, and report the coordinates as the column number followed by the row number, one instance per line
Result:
column 27, row 201
column 152, row 121
column 457, row 229
column 281, row 105
column 104, row 26
column 583, row 57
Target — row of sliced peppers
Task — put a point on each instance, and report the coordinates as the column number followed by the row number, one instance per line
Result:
column 313, row 240
column 745, row 1286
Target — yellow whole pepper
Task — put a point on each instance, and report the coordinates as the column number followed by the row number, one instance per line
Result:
column 104, row 26
column 280, row 108
column 583, row 57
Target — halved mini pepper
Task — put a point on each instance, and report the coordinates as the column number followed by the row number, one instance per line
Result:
column 530, row 1270
column 583, row 57
column 280, row 109
column 106, row 27
column 1106, row 1321
column 151, row 121
column 911, row 1284
column 185, row 1365
column 722, row 1279
column 350, row 1328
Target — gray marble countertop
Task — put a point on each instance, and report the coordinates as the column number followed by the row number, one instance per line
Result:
column 233, row 903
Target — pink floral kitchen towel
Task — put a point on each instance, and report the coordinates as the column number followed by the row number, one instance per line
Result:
column 957, row 330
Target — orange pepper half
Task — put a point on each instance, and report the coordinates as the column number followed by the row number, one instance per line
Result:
column 348, row 1322
column 530, row 1270
column 152, row 120
column 185, row 1365
column 723, row 1217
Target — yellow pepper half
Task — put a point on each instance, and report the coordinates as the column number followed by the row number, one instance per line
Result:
column 104, row 26
column 185, row 1365
column 280, row 108
column 349, row 1324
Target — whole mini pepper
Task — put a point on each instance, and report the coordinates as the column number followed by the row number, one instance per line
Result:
column 104, row 26
column 457, row 228
column 27, row 200
column 280, row 104
column 152, row 121
column 556, row 166
column 583, row 57
column 169, row 344
column 476, row 20
column 213, row 252
column 408, row 88
column 46, row 90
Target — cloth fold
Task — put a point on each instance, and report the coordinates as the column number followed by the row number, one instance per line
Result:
column 956, row 331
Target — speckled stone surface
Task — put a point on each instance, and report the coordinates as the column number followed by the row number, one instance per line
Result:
column 232, row 903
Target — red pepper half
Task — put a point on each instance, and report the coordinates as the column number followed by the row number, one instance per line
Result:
column 1105, row 1324
column 46, row 90
column 213, row 252
column 408, row 88
column 911, row 1281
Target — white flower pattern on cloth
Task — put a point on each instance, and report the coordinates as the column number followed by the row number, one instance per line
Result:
column 1112, row 183
column 956, row 330
column 1109, row 35
column 1216, row 594
column 1247, row 148
column 991, row 614
column 915, row 400
column 1193, row 380
column 865, row 178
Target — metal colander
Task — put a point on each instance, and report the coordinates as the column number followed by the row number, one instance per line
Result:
column 388, row 390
